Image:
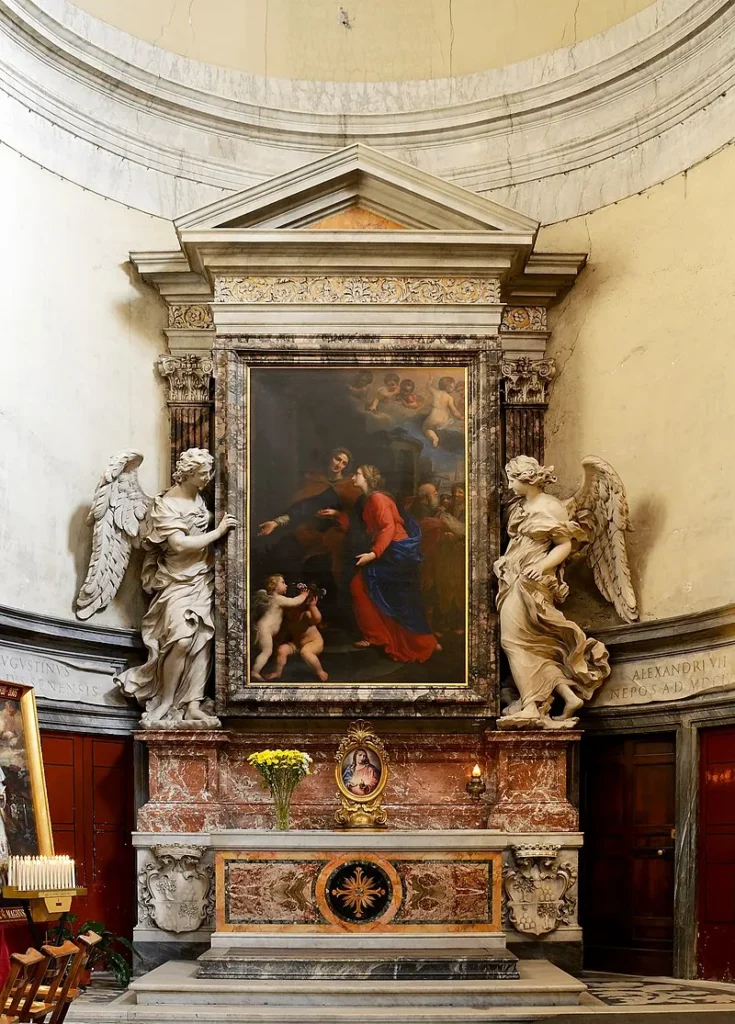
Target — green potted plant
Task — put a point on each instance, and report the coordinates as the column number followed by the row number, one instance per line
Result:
column 107, row 955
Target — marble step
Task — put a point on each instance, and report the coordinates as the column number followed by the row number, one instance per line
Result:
column 268, row 964
column 176, row 984
column 125, row 1011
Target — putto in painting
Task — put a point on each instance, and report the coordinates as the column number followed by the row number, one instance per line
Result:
column 357, row 525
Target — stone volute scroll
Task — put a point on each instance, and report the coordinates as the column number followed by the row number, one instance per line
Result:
column 176, row 891
column 538, row 890
column 550, row 657
column 174, row 529
column 361, row 773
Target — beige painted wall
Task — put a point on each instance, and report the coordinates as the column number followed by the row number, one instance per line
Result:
column 80, row 338
column 644, row 344
column 387, row 40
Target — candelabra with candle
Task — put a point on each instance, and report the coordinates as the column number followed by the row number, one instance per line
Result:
column 476, row 784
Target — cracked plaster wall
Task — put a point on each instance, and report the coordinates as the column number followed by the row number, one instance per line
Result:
column 362, row 40
column 644, row 346
column 80, row 338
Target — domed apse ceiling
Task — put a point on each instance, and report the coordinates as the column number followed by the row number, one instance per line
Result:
column 362, row 40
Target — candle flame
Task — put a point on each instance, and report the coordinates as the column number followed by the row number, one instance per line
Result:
column 476, row 772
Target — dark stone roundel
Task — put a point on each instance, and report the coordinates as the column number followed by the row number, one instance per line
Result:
column 358, row 892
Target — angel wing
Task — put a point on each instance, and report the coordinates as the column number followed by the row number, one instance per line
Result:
column 259, row 605
column 119, row 511
column 601, row 506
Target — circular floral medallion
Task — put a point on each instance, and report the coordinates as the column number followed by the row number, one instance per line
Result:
column 358, row 892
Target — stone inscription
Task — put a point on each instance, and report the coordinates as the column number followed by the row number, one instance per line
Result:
column 674, row 677
column 58, row 680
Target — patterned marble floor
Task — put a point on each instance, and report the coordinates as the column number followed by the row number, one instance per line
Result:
column 626, row 990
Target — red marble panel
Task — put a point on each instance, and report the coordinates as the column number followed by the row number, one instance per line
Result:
column 199, row 777
column 274, row 890
column 530, row 771
column 440, row 892
column 271, row 892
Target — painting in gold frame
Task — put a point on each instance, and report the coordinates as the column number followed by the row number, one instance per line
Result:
column 25, row 824
column 361, row 774
column 238, row 576
column 357, row 525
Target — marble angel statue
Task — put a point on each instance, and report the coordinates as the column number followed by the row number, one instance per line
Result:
column 174, row 529
column 550, row 656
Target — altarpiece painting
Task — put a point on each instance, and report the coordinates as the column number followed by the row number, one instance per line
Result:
column 357, row 480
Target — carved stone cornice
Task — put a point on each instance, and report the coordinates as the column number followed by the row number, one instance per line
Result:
column 659, row 83
column 526, row 381
column 351, row 289
column 188, row 377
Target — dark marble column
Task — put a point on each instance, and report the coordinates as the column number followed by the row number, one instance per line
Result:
column 524, row 385
column 190, row 401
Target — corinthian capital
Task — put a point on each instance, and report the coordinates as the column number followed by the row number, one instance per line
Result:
column 187, row 376
column 526, row 381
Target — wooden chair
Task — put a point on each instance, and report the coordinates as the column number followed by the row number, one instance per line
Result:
column 47, row 995
column 70, row 989
column 18, row 995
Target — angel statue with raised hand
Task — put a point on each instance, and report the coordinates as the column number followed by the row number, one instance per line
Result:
column 174, row 529
column 550, row 656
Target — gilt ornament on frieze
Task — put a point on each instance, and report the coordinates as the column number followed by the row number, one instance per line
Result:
column 538, row 890
column 357, row 289
column 523, row 318
column 175, row 890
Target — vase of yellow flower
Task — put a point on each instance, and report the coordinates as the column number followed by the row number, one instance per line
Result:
column 281, row 772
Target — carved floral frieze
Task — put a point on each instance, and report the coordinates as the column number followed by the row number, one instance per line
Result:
column 190, row 316
column 523, row 318
column 526, row 381
column 176, row 892
column 351, row 289
column 537, row 890
column 187, row 376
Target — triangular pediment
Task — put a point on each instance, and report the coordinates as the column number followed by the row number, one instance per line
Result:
column 355, row 189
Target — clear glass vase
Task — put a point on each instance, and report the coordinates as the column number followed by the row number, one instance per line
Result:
column 282, row 785
column 283, row 812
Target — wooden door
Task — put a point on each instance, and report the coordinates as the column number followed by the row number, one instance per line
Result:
column 627, row 868
column 716, row 874
column 90, row 788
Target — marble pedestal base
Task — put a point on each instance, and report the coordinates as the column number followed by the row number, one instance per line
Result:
column 531, row 777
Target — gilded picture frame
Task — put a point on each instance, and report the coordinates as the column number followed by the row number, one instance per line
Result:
column 361, row 773
column 251, row 454
column 25, row 822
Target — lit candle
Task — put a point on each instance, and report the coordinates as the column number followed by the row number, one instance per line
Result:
column 477, row 772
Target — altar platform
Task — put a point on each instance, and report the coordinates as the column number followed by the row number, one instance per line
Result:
column 177, row 983
column 340, row 925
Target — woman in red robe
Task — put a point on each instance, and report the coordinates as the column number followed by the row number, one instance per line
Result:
column 385, row 589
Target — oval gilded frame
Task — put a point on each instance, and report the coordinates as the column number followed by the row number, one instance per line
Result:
column 363, row 744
